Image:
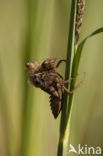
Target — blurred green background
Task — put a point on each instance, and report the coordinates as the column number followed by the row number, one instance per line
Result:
column 38, row 29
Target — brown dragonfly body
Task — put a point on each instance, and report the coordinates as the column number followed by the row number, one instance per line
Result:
column 45, row 77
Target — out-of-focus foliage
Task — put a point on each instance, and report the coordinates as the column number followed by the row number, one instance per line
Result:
column 49, row 32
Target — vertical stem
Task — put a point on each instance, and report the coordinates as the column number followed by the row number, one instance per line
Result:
column 7, row 122
column 26, row 106
column 64, row 130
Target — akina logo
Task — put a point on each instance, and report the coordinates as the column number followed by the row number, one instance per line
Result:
column 85, row 149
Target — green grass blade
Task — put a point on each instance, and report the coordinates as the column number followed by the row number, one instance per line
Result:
column 74, row 66
column 79, row 52
column 5, row 112
column 27, row 91
column 63, row 140
column 76, row 62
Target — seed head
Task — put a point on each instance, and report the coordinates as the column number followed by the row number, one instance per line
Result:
column 79, row 18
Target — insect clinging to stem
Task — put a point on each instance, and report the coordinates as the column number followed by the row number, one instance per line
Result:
column 45, row 77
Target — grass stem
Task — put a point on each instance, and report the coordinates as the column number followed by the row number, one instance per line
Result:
column 64, row 124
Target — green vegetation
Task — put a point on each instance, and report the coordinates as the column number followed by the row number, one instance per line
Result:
column 38, row 30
